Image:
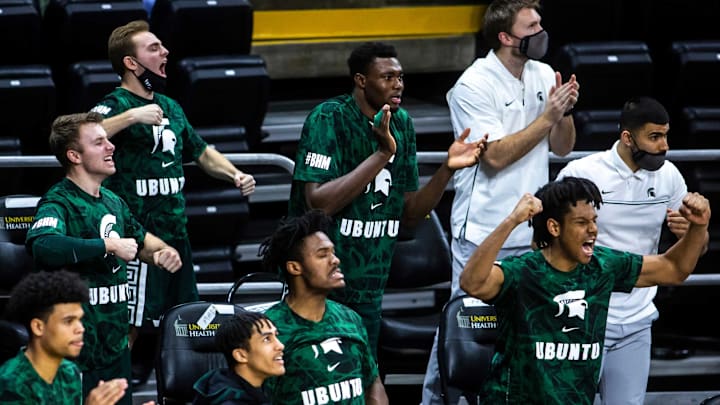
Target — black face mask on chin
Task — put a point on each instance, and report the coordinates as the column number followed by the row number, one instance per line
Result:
column 150, row 80
column 646, row 160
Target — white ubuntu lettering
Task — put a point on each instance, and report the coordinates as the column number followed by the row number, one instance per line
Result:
column 567, row 351
column 333, row 393
column 109, row 295
column 164, row 186
column 369, row 229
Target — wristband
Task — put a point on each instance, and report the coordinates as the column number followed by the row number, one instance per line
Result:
column 568, row 112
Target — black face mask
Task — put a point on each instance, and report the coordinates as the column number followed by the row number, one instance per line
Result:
column 534, row 46
column 646, row 160
column 150, row 80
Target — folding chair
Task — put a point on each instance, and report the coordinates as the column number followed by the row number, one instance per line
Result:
column 466, row 343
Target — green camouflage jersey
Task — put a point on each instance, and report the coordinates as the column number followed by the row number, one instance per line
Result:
column 335, row 139
column 21, row 384
column 326, row 362
column 149, row 160
column 552, row 327
column 67, row 210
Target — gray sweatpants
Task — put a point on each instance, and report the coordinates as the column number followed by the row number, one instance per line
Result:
column 626, row 362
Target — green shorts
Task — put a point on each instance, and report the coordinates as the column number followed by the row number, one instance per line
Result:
column 154, row 290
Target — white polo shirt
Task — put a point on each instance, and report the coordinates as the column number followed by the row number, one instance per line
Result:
column 487, row 98
column 631, row 216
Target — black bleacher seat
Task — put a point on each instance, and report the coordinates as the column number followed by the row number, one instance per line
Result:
column 659, row 22
column 701, row 127
column 215, row 215
column 609, row 73
column 10, row 146
column 695, row 63
column 79, row 30
column 203, row 28
column 88, row 82
column 596, row 129
column 226, row 139
column 21, row 36
column 224, row 90
column 688, row 94
column 213, row 264
column 27, row 96
column 566, row 22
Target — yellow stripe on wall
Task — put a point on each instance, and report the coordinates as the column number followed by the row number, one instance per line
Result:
column 366, row 22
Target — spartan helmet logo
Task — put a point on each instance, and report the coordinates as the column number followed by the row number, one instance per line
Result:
column 107, row 223
column 165, row 138
column 574, row 301
column 331, row 350
column 382, row 183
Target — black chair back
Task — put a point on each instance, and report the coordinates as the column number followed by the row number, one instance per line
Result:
column 187, row 347
column 466, row 343
column 14, row 336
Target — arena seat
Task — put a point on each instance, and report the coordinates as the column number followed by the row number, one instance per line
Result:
column 10, row 146
column 570, row 15
column 191, row 28
column 17, row 213
column 702, row 127
column 226, row 139
column 660, row 22
column 14, row 336
column 421, row 262
column 596, row 129
column 21, row 36
column 87, row 83
column 187, row 348
column 224, row 90
column 78, row 30
column 466, row 344
column 217, row 213
column 609, row 73
column 213, row 263
column 27, row 94
column 693, row 63
column 683, row 84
